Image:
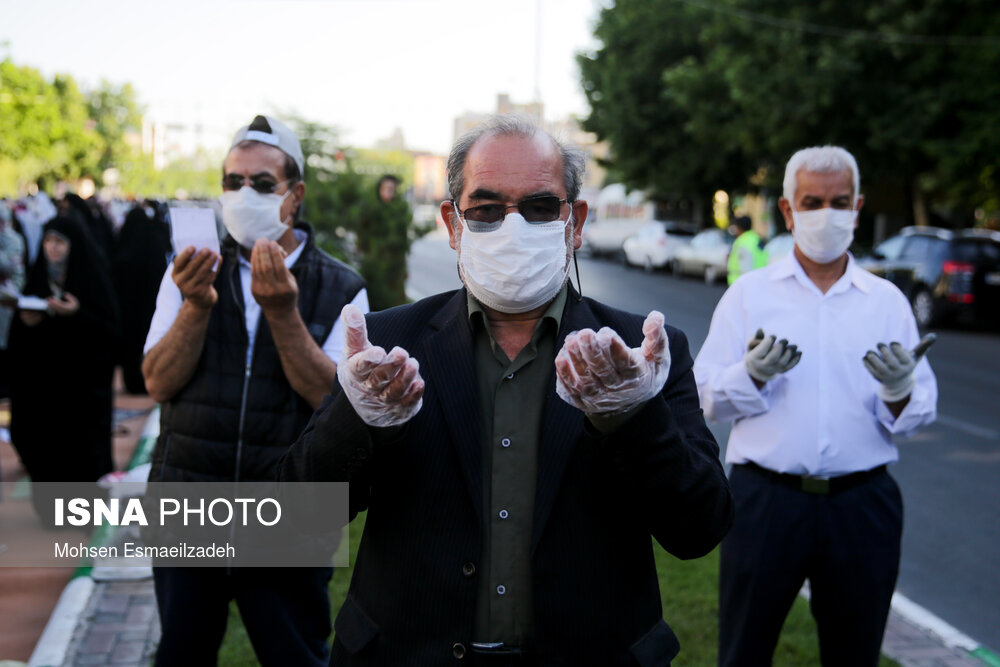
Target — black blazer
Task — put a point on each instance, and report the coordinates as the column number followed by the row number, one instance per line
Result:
column 598, row 500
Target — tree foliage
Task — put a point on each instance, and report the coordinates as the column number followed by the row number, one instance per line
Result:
column 697, row 95
column 46, row 135
column 350, row 220
column 54, row 131
column 383, row 244
column 115, row 112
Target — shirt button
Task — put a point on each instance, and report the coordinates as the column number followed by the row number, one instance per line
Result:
column 509, row 377
column 503, row 514
column 469, row 569
column 505, row 442
column 458, row 650
column 501, row 589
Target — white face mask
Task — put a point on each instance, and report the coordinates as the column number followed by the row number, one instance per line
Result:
column 824, row 235
column 249, row 215
column 519, row 266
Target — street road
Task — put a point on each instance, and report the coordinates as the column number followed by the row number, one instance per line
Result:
column 949, row 472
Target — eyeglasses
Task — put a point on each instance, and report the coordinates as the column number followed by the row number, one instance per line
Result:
column 265, row 185
column 536, row 210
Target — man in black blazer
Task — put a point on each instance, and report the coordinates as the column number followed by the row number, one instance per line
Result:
column 514, row 475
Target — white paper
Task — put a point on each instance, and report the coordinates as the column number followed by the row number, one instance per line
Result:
column 8, row 291
column 193, row 227
column 32, row 303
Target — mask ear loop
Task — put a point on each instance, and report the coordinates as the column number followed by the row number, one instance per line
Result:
column 579, row 288
column 576, row 266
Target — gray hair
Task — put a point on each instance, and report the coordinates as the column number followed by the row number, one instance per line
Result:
column 573, row 159
column 820, row 160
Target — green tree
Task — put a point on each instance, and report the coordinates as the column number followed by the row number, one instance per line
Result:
column 194, row 177
column 657, row 96
column 350, row 220
column 383, row 244
column 115, row 113
column 334, row 189
column 726, row 90
column 46, row 130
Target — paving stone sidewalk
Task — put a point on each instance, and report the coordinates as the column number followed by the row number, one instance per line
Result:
column 119, row 626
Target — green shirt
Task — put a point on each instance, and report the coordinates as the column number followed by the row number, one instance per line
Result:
column 512, row 399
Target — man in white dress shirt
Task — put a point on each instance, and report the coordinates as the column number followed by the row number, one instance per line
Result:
column 817, row 363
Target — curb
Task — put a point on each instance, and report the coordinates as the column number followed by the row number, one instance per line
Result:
column 50, row 651
column 54, row 643
column 949, row 635
column 920, row 617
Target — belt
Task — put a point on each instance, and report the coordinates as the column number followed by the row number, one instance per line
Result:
column 495, row 648
column 824, row 486
column 499, row 654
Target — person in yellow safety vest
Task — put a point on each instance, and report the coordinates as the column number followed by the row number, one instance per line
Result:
column 748, row 252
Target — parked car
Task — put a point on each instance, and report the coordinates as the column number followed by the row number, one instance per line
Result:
column 615, row 215
column 946, row 275
column 654, row 246
column 706, row 255
column 779, row 246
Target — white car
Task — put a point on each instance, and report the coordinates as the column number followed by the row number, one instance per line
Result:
column 655, row 244
column 605, row 237
column 615, row 215
column 707, row 255
column 778, row 247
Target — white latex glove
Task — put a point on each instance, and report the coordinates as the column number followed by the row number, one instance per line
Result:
column 767, row 357
column 385, row 389
column 893, row 367
column 600, row 375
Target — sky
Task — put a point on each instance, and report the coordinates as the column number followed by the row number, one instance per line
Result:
column 363, row 66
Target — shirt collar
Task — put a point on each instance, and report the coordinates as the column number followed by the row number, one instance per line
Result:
column 789, row 267
column 554, row 312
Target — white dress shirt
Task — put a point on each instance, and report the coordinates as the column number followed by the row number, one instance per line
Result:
column 822, row 417
column 169, row 299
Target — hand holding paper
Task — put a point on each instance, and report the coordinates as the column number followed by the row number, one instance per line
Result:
column 194, row 275
column 64, row 307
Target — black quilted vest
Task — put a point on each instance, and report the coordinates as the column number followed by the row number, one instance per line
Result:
column 233, row 422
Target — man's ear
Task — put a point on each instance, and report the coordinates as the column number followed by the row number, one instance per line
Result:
column 299, row 192
column 450, row 217
column 785, row 207
column 857, row 210
column 579, row 209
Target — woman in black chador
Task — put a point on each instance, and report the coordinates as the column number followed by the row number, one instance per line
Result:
column 62, row 360
column 139, row 263
column 96, row 224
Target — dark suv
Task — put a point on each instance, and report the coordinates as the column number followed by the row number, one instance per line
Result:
column 945, row 274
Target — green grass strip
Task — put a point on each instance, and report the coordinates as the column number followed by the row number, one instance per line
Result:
column 144, row 449
column 987, row 656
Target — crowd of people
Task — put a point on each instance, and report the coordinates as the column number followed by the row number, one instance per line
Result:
column 77, row 293
column 515, row 444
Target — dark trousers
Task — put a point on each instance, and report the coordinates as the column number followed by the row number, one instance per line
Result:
column 847, row 546
column 286, row 612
